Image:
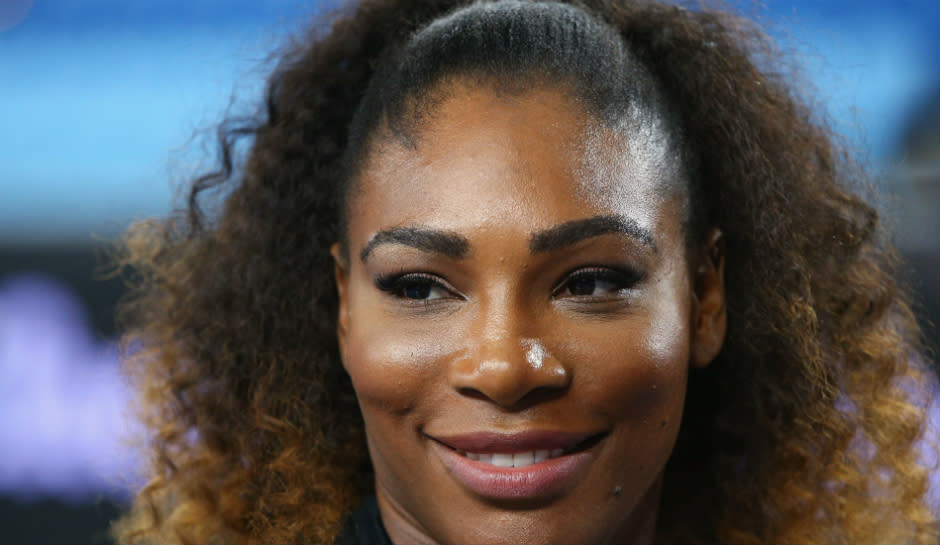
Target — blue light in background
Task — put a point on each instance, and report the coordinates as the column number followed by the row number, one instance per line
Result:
column 12, row 13
column 96, row 95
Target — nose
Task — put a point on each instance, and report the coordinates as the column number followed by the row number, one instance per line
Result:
column 508, row 369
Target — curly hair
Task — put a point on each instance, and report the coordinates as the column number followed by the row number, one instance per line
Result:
column 804, row 429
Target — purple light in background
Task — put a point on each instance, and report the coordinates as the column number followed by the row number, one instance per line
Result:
column 930, row 445
column 12, row 13
column 61, row 396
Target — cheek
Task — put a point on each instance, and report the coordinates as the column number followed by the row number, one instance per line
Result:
column 635, row 370
column 391, row 366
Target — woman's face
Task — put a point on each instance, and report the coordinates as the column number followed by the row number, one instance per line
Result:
column 518, row 316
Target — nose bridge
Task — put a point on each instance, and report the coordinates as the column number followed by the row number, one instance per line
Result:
column 497, row 325
column 505, row 362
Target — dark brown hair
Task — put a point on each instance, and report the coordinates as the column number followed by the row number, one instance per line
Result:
column 803, row 430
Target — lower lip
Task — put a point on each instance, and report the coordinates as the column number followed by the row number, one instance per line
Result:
column 542, row 480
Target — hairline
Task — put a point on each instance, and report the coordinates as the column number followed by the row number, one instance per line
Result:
column 408, row 136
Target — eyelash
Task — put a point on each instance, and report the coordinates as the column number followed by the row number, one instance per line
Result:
column 621, row 279
column 398, row 284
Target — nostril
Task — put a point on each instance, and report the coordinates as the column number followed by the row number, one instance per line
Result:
column 535, row 396
column 473, row 393
column 509, row 377
column 542, row 394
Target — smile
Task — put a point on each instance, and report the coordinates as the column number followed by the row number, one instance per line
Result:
column 518, row 459
column 530, row 465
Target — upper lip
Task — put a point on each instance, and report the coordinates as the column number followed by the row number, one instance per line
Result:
column 500, row 442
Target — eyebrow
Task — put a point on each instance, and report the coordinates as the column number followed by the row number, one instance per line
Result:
column 572, row 232
column 452, row 245
column 428, row 240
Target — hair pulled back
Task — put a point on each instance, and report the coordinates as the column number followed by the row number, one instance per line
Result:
column 511, row 46
column 802, row 430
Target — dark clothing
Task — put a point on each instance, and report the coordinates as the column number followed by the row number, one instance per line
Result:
column 364, row 526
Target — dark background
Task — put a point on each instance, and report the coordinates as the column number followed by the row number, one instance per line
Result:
column 100, row 101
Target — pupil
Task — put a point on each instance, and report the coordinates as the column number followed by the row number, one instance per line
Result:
column 418, row 291
column 581, row 286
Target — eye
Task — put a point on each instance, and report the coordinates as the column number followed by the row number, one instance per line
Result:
column 414, row 286
column 597, row 282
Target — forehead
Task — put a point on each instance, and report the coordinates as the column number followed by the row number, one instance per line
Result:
column 480, row 157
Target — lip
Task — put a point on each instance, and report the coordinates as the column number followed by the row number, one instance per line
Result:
column 543, row 480
column 491, row 442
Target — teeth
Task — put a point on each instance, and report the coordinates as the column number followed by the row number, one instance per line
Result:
column 523, row 459
column 502, row 460
column 518, row 459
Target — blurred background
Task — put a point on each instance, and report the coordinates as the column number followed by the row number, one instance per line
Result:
column 103, row 109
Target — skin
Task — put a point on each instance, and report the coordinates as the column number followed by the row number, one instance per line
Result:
column 506, row 338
